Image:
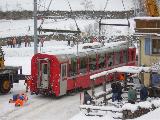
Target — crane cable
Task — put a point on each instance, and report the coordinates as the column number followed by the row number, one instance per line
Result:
column 127, row 13
column 128, row 23
column 73, row 18
column 45, row 12
column 101, row 16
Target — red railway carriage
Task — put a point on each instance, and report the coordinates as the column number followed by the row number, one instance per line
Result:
column 61, row 73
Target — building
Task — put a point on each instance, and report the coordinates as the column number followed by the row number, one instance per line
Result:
column 148, row 31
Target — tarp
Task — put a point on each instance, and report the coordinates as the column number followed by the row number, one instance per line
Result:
column 124, row 69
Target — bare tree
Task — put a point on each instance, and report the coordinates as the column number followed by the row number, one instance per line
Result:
column 87, row 4
column 19, row 6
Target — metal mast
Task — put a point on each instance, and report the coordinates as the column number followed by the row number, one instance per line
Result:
column 35, row 27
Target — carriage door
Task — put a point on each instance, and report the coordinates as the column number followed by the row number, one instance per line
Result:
column 43, row 74
column 63, row 80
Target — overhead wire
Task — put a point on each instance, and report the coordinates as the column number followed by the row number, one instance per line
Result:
column 47, row 9
column 102, row 17
column 73, row 17
column 127, row 20
column 126, row 12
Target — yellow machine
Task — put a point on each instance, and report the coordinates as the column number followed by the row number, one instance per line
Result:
column 152, row 8
column 8, row 75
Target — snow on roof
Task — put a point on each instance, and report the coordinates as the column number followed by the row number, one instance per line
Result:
column 126, row 69
column 143, row 34
column 147, row 18
column 73, row 50
column 133, row 69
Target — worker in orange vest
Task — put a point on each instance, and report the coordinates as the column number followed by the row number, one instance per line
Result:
column 121, row 77
column 21, row 100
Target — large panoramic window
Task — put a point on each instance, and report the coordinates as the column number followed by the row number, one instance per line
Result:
column 83, row 64
column 117, row 58
column 110, row 59
column 125, row 54
column 132, row 56
column 155, row 46
column 73, row 66
column 102, row 60
column 92, row 62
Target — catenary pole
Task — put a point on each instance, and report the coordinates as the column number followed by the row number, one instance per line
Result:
column 35, row 27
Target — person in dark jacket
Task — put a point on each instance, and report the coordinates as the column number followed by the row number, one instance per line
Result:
column 132, row 96
column 143, row 93
column 119, row 91
column 87, row 98
column 114, row 91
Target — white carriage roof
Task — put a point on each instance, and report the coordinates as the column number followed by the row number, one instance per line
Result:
column 125, row 69
column 73, row 50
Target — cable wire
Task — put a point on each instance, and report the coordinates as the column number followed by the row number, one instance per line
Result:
column 102, row 17
column 73, row 18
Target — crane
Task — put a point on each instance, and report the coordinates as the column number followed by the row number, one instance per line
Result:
column 152, row 8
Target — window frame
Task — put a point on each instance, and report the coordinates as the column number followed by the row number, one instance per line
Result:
column 157, row 45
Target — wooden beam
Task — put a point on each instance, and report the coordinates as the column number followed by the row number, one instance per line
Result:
column 115, row 24
column 58, row 31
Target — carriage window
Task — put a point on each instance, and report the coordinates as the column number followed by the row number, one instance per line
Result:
column 125, row 56
column 73, row 67
column 64, row 70
column 156, row 46
column 45, row 69
column 132, row 56
column 117, row 58
column 102, row 60
column 110, row 59
column 83, row 65
column 92, row 62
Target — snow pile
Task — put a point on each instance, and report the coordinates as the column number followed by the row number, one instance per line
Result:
column 129, row 106
column 156, row 103
column 156, row 67
column 145, row 104
column 103, row 92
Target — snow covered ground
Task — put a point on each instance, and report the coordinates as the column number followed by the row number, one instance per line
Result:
column 19, row 5
column 25, row 27
column 41, row 107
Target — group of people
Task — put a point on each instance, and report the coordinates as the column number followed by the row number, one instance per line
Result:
column 117, row 94
column 14, row 42
column 27, row 41
column 87, row 98
column 116, row 91
column 17, row 41
column 132, row 93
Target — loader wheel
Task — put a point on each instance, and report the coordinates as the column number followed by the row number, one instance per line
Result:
column 5, row 86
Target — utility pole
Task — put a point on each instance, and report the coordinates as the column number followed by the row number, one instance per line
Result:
column 35, row 27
